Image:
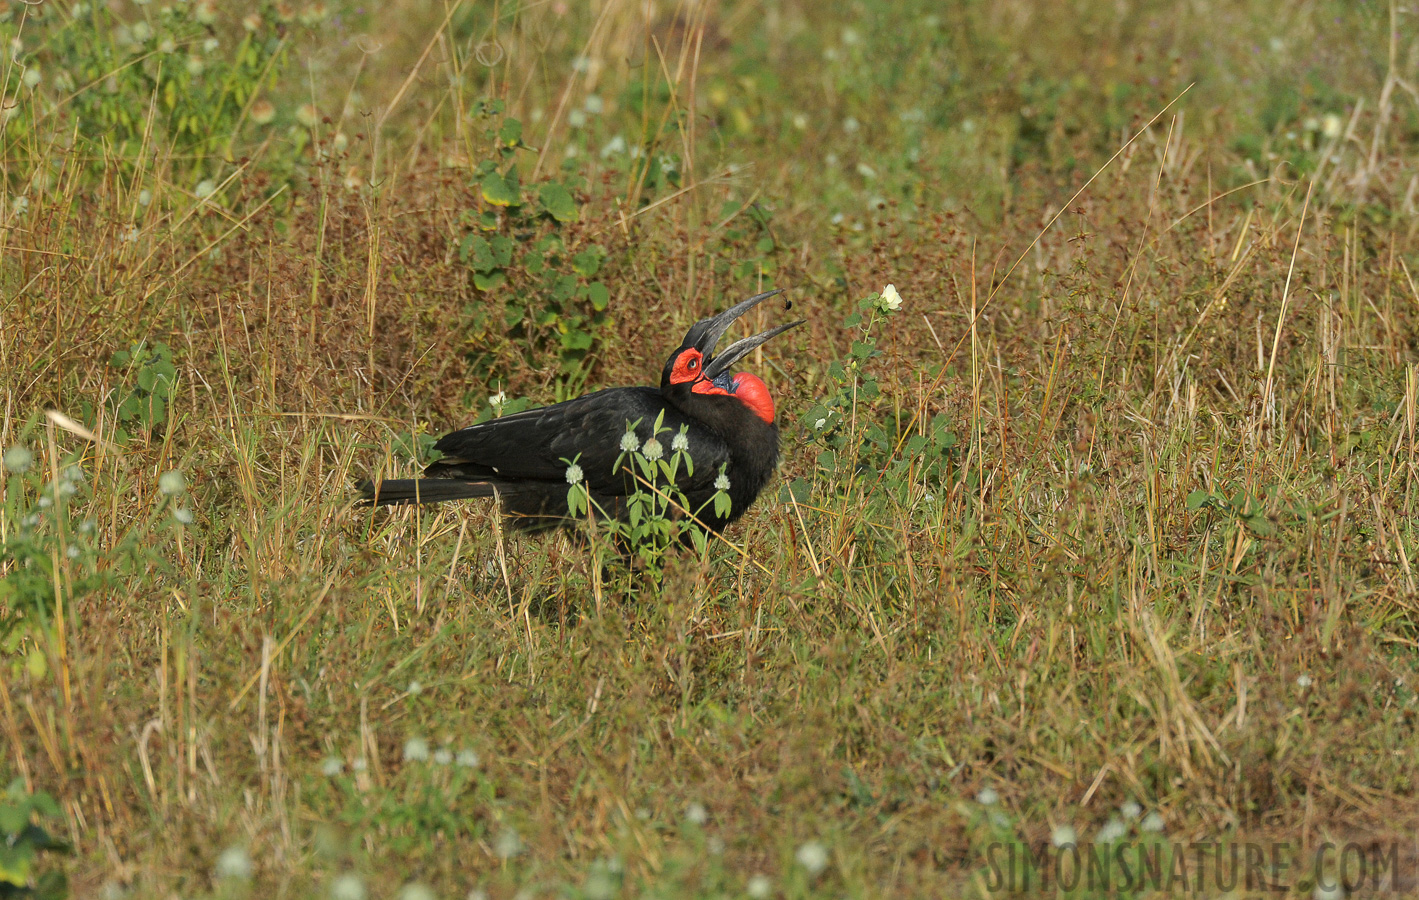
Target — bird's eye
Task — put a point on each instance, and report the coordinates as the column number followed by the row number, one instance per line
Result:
column 693, row 364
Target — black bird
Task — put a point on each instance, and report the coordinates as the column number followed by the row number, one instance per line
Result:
column 522, row 458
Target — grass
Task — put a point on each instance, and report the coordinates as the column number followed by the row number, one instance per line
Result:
column 1107, row 531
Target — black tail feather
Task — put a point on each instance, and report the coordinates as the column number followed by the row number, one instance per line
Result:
column 396, row 491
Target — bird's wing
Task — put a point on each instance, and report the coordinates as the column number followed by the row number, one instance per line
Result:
column 531, row 445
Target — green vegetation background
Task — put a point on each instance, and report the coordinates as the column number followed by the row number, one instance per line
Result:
column 1106, row 532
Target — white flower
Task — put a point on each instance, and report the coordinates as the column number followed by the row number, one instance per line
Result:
column 141, row 32
column 183, row 515
column 653, row 450
column 18, row 459
column 72, row 551
column 614, row 146
column 507, row 844
column 20, row 205
column 1063, row 836
column 32, row 76
column 891, row 300
column 234, row 862
column 415, row 687
column 347, row 887
column 1303, row 681
column 416, row 749
column 593, row 104
column 1113, row 830
column 680, row 443
column 172, row 483
column 210, row 44
column 987, row 796
column 629, row 442
column 850, row 125
column 416, row 891
column 1331, row 125
column 332, row 766
column 359, row 765
column 759, row 887
column 722, row 482
column 498, row 399
column 813, row 857
column 866, row 171
column 576, row 118
column 263, row 111
column 696, row 814
column 205, row 188
column 574, row 474
column 307, row 115
column 195, row 66
column 443, row 756
column 1153, row 823
column 468, row 759
column 1130, row 809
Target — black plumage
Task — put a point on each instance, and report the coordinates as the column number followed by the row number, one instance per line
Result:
column 728, row 421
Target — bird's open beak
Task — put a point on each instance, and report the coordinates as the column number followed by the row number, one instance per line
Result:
column 716, row 326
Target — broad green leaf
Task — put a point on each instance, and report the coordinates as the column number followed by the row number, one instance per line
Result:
column 558, row 202
column 499, row 190
column 598, row 294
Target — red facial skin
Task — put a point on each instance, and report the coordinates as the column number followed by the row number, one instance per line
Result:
column 747, row 389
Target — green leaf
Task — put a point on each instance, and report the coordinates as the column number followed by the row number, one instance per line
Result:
column 576, row 340
column 502, row 250
column 481, row 255
column 557, row 201
column 511, row 133
column 588, row 262
column 1198, row 499
column 14, row 818
column 598, row 294
column 500, row 191
column 486, row 281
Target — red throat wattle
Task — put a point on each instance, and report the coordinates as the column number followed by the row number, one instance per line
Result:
column 747, row 389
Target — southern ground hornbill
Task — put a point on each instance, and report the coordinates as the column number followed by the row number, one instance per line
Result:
column 523, row 458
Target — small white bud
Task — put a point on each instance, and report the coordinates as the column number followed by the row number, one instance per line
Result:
column 416, row 749
column 172, row 483
column 234, row 863
column 574, row 474
column 653, row 450
column 813, row 857
column 18, row 459
column 629, row 442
